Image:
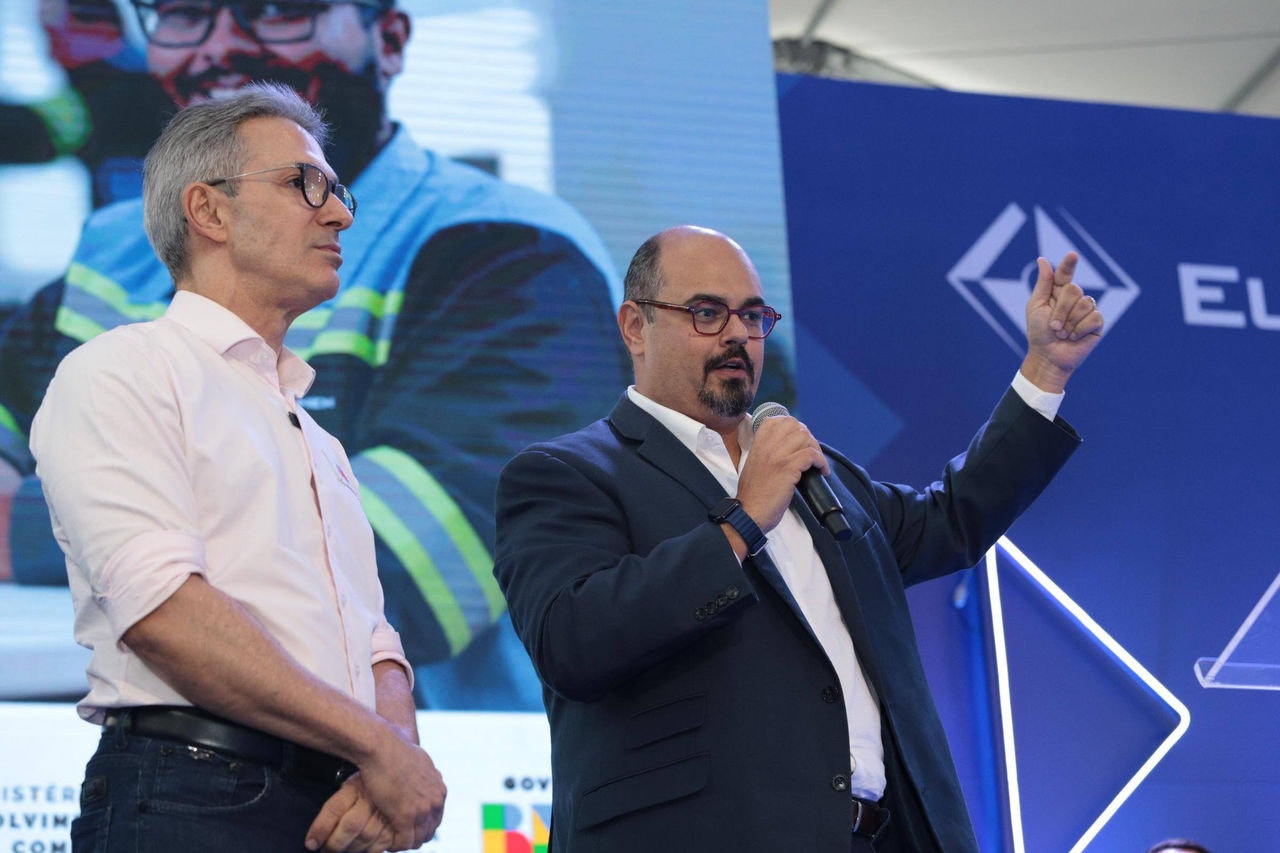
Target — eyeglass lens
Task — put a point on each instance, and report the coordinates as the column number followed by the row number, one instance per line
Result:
column 710, row 318
column 316, row 188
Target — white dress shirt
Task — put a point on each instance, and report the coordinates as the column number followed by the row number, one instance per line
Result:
column 168, row 449
column 791, row 548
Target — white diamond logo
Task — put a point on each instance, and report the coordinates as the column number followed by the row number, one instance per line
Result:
column 997, row 285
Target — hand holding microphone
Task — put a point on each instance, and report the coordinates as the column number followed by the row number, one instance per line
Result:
column 812, row 486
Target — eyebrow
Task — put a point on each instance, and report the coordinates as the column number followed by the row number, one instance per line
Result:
column 334, row 177
column 327, row 176
column 710, row 297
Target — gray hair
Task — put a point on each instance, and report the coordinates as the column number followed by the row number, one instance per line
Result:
column 644, row 274
column 203, row 143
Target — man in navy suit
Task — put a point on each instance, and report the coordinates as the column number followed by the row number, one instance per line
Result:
column 720, row 673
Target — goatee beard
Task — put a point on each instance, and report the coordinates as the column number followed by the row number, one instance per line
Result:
column 732, row 402
column 736, row 397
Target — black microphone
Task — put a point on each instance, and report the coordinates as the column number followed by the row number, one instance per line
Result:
column 813, row 487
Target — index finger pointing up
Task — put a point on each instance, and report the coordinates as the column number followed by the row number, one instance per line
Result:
column 1066, row 270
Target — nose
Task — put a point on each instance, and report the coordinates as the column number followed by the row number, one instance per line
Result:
column 735, row 331
column 335, row 213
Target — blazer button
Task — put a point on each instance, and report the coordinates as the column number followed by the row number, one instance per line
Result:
column 840, row 782
column 830, row 694
column 700, row 614
column 731, row 593
column 722, row 601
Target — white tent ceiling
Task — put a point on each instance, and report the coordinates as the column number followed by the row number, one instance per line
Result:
column 1192, row 54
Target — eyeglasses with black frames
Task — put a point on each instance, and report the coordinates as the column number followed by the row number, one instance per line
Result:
column 314, row 185
column 187, row 23
column 710, row 316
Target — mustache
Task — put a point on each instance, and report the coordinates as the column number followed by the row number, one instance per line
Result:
column 256, row 68
column 737, row 352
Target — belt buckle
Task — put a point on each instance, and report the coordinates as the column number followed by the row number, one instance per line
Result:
column 857, row 820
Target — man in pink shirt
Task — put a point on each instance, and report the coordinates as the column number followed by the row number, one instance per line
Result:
column 252, row 695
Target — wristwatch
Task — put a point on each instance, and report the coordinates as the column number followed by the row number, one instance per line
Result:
column 729, row 511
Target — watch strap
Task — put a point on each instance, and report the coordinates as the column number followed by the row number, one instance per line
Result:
column 729, row 511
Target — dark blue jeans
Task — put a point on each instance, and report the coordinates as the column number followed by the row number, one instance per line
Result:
column 147, row 795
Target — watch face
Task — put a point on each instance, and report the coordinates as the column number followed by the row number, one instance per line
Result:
column 720, row 512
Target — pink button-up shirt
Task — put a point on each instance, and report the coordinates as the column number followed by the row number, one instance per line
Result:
column 168, row 449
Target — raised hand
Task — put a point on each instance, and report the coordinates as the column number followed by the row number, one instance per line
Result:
column 1063, row 325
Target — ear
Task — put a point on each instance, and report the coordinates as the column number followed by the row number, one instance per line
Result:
column 206, row 211
column 392, row 31
column 631, row 323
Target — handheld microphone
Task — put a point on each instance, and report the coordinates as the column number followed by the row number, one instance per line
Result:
column 813, row 487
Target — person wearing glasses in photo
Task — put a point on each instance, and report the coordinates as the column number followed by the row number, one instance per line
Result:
column 473, row 317
column 251, row 692
column 722, row 671
column 105, row 80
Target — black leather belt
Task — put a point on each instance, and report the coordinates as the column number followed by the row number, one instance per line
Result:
column 195, row 727
column 866, row 817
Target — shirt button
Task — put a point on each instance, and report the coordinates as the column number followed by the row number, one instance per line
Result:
column 830, row 694
column 840, row 782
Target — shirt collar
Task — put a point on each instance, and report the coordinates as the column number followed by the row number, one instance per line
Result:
column 223, row 330
column 691, row 433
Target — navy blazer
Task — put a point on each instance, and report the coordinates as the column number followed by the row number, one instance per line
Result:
column 690, row 706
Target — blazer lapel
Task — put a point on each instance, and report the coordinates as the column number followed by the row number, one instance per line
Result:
column 769, row 571
column 842, row 586
column 658, row 446
column 655, row 444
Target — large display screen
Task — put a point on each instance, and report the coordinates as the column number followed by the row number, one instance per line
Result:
column 600, row 123
column 578, row 127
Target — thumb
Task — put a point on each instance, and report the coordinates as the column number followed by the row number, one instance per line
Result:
column 1041, row 293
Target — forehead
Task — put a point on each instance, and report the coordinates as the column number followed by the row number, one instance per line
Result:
column 275, row 141
column 707, row 265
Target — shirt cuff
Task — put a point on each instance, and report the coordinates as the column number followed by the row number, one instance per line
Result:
column 387, row 646
column 142, row 575
column 1044, row 402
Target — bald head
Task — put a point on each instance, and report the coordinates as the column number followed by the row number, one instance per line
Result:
column 674, row 250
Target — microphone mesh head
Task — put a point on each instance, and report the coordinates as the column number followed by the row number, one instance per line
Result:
column 767, row 410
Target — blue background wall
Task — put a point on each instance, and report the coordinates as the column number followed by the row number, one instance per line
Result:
column 1163, row 527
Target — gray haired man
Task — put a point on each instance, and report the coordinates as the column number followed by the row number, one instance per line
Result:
column 253, row 696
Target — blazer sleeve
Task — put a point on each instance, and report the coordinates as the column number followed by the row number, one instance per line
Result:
column 602, row 579
column 950, row 524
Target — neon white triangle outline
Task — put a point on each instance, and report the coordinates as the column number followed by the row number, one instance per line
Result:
column 1087, row 622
